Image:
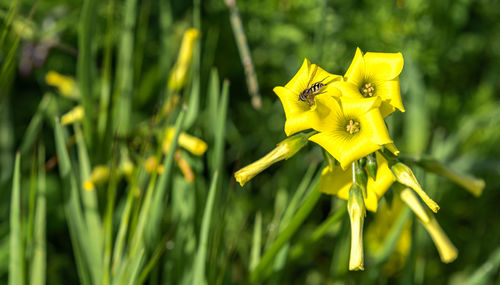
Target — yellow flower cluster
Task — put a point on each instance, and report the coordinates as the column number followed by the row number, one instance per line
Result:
column 346, row 114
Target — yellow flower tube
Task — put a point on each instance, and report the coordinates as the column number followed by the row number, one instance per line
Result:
column 179, row 72
column 100, row 174
column 284, row 150
column 65, row 84
column 193, row 144
column 74, row 115
column 447, row 251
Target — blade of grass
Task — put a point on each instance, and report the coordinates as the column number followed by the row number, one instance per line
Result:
column 39, row 259
column 201, row 253
column 73, row 211
column 124, row 76
column 16, row 255
column 102, row 121
column 108, row 223
column 86, row 32
column 35, row 124
column 262, row 269
column 10, row 18
column 135, row 267
column 90, row 206
column 256, row 241
column 160, row 249
column 213, row 101
column 485, row 272
column 220, row 128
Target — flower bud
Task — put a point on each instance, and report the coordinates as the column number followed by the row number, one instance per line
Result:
column 405, row 176
column 473, row 185
column 371, row 166
column 447, row 251
column 392, row 148
column 193, row 144
column 65, row 84
column 284, row 150
column 100, row 174
column 357, row 213
column 151, row 165
column 179, row 71
column 74, row 115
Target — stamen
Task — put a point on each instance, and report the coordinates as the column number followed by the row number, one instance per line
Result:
column 367, row 90
column 352, row 127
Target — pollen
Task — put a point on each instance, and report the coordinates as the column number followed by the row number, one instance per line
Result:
column 367, row 90
column 352, row 127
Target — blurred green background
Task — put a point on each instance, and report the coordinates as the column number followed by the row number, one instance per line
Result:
column 450, row 87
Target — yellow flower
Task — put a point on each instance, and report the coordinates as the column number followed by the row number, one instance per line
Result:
column 302, row 109
column 338, row 182
column 353, row 129
column 375, row 75
column 100, row 174
column 74, row 115
column 151, row 165
column 65, row 84
column 284, row 150
column 447, row 251
column 193, row 144
column 179, row 72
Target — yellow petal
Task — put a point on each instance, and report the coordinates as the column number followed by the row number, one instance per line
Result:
column 371, row 201
column 356, row 72
column 354, row 108
column 383, row 66
column 390, row 91
column 386, row 109
column 299, row 81
column 335, row 181
column 374, row 127
column 348, row 89
column 345, row 149
column 384, row 178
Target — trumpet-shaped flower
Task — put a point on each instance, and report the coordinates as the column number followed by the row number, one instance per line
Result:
column 337, row 181
column 374, row 75
column 352, row 129
column 298, row 97
column 179, row 72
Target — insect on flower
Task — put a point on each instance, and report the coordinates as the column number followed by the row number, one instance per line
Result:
column 307, row 95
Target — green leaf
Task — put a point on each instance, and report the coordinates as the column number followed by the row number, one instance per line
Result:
column 16, row 255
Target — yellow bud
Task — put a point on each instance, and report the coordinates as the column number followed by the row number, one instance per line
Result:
column 151, row 164
column 88, row 185
column 179, row 71
column 284, row 150
column 74, row 115
column 405, row 176
column 99, row 175
column 65, row 84
column 193, row 144
column 127, row 167
column 447, row 251
column 357, row 213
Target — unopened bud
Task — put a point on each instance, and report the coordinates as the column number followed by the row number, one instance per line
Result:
column 193, row 144
column 99, row 175
column 74, row 115
column 474, row 185
column 65, row 84
column 357, row 213
column 284, row 150
column 447, row 251
column 405, row 176
column 371, row 166
column 180, row 70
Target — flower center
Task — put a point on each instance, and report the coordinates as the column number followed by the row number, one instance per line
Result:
column 353, row 127
column 367, row 90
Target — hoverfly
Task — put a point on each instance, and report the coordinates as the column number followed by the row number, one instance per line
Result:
column 312, row 90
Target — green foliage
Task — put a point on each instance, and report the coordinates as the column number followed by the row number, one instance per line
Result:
column 161, row 228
